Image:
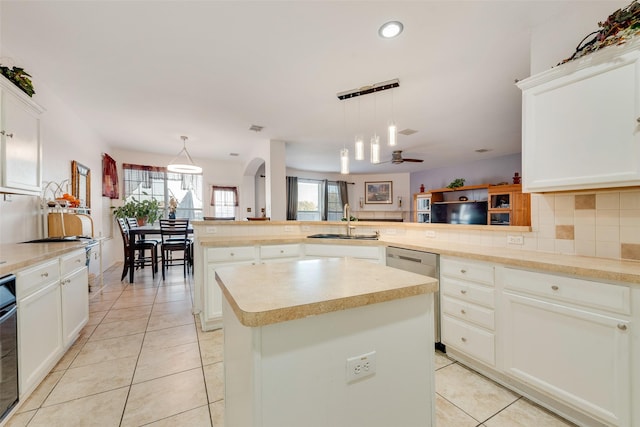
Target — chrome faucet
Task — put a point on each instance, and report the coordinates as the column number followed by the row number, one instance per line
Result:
column 347, row 214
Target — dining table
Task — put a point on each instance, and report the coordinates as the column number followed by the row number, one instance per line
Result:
column 142, row 231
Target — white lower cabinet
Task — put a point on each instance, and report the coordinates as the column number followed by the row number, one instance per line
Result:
column 578, row 354
column 467, row 299
column 75, row 304
column 39, row 339
column 53, row 307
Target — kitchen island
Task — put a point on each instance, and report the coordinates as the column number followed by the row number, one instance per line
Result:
column 339, row 342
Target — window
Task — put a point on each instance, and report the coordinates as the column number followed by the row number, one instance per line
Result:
column 224, row 201
column 152, row 182
column 310, row 200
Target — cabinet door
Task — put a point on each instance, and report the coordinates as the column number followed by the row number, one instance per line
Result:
column 577, row 356
column 39, row 336
column 75, row 304
column 21, row 145
column 213, row 295
column 580, row 129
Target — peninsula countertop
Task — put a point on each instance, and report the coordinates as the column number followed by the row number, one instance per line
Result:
column 264, row 294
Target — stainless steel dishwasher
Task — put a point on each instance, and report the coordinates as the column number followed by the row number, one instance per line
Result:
column 425, row 263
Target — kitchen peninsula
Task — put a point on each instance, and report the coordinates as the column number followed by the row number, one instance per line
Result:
column 327, row 342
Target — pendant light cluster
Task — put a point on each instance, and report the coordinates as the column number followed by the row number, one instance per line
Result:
column 392, row 129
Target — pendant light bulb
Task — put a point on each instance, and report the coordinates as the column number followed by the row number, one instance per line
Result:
column 392, row 138
column 375, row 149
column 359, row 151
column 344, row 161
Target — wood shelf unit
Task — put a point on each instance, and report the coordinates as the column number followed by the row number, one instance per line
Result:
column 508, row 205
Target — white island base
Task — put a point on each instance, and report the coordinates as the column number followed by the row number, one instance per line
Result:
column 294, row 373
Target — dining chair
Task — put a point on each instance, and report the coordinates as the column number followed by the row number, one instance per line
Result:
column 175, row 239
column 140, row 247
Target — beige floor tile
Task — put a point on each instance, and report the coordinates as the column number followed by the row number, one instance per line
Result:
column 172, row 307
column 127, row 300
column 138, row 312
column 92, row 379
column 170, row 360
column 20, row 420
column 471, row 392
column 104, row 409
column 441, row 360
column 198, row 417
column 100, row 306
column 212, row 346
column 96, row 317
column 162, row 321
column 104, row 297
column 109, row 349
column 170, row 337
column 164, row 397
column 69, row 356
column 119, row 329
column 86, row 332
column 523, row 413
column 173, row 293
column 40, row 394
column 448, row 415
column 217, row 413
column 131, row 291
column 214, row 378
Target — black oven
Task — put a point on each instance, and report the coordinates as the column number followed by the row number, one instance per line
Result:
column 8, row 345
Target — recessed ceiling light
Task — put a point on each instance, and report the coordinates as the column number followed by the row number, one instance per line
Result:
column 390, row 29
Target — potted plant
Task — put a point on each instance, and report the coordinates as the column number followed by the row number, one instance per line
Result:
column 144, row 211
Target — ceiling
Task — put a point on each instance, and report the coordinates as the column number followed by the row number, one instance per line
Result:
column 143, row 73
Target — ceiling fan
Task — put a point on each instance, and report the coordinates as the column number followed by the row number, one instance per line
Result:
column 396, row 158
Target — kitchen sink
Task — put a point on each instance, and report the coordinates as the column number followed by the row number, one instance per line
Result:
column 344, row 236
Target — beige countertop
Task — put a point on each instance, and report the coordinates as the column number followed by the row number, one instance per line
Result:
column 270, row 293
column 611, row 270
column 17, row 256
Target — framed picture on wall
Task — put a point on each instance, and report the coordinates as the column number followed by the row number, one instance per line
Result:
column 378, row 192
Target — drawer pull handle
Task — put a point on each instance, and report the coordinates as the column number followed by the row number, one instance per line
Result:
column 463, row 291
column 555, row 287
column 281, row 251
column 622, row 326
column 463, row 339
column 463, row 312
column 8, row 135
column 45, row 274
column 463, row 271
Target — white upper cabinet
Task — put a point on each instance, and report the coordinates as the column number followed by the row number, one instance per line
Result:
column 20, row 144
column 581, row 123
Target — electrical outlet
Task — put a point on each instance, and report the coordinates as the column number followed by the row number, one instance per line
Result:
column 430, row 233
column 362, row 366
column 288, row 228
column 212, row 230
column 390, row 231
column 306, row 228
column 515, row 240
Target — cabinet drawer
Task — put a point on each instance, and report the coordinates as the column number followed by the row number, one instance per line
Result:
column 470, row 312
column 72, row 262
column 238, row 253
column 571, row 290
column 31, row 279
column 353, row 251
column 469, row 270
column 469, row 339
column 466, row 291
column 279, row 251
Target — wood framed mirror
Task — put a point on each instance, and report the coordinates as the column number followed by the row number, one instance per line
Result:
column 81, row 183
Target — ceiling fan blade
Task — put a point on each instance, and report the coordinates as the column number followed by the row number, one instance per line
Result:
column 414, row 160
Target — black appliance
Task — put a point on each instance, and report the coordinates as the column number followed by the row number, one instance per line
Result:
column 459, row 212
column 8, row 345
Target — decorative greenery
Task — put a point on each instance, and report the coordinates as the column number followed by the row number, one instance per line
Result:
column 19, row 78
column 149, row 209
column 621, row 25
column 458, row 182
